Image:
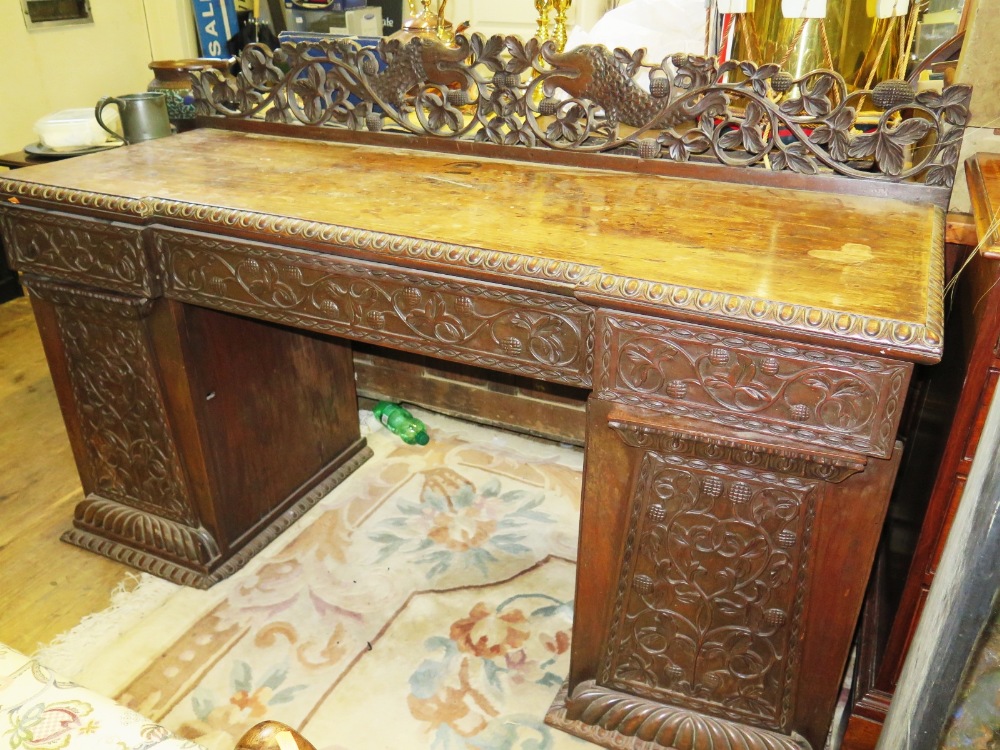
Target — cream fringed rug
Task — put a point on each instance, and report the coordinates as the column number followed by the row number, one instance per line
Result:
column 425, row 603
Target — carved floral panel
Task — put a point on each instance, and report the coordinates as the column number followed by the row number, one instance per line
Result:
column 539, row 335
column 132, row 456
column 98, row 253
column 711, row 589
column 821, row 396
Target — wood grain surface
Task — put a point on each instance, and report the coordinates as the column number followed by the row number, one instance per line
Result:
column 874, row 260
column 48, row 586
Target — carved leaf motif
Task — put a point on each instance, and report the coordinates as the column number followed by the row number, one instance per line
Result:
column 488, row 52
column 259, row 69
column 629, row 62
column 835, row 132
column 758, row 77
column 886, row 144
column 440, row 114
column 567, row 125
column 748, row 133
column 794, row 157
column 941, row 174
column 522, row 54
column 952, row 103
column 814, row 99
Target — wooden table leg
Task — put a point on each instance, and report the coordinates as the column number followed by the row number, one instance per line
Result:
column 720, row 576
column 199, row 436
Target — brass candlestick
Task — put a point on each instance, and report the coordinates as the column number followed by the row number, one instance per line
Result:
column 544, row 8
column 429, row 23
column 559, row 37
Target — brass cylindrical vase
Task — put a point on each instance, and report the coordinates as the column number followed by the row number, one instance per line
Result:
column 861, row 48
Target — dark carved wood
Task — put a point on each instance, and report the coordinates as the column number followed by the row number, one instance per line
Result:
column 817, row 395
column 121, row 533
column 79, row 251
column 542, row 336
column 739, row 439
column 715, row 572
column 142, row 443
column 614, row 719
column 718, row 636
column 504, row 91
column 123, row 416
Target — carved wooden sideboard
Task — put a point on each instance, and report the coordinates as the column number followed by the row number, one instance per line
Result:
column 747, row 350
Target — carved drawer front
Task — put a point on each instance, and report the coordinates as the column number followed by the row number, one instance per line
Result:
column 540, row 335
column 82, row 251
column 715, row 570
column 793, row 391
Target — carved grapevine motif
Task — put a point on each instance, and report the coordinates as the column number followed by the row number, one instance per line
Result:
column 540, row 335
column 78, row 250
column 746, row 382
column 132, row 456
column 506, row 91
column 711, row 589
column 788, row 390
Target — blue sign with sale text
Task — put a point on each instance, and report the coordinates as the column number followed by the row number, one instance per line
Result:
column 217, row 24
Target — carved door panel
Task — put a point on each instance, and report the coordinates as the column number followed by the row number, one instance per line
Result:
column 713, row 578
column 707, row 597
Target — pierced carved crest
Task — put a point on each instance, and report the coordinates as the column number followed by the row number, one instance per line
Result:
column 508, row 92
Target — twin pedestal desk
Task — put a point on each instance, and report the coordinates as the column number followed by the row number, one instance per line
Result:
column 748, row 352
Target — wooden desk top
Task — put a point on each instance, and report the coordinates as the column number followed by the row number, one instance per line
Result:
column 858, row 271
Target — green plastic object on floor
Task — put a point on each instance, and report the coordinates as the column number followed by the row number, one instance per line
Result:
column 399, row 421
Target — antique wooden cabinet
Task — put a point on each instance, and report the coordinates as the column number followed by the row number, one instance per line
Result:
column 740, row 442
column 747, row 349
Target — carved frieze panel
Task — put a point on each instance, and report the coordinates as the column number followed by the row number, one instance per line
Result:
column 824, row 397
column 733, row 455
column 132, row 457
column 711, row 589
column 82, row 251
column 540, row 335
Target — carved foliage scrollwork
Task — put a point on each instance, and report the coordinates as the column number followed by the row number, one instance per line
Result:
column 533, row 334
column 711, row 589
column 805, row 392
column 132, row 456
column 111, row 256
column 506, row 91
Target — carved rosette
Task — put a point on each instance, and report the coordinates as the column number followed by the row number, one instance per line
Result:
column 817, row 395
column 132, row 457
column 77, row 250
column 616, row 720
column 713, row 579
column 544, row 336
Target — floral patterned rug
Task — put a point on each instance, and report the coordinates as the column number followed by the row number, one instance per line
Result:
column 426, row 603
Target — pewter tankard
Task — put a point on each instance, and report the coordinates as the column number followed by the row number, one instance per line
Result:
column 144, row 116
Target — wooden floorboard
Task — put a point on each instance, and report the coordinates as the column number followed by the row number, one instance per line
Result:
column 46, row 586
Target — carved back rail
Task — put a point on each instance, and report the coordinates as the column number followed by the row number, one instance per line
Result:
column 506, row 92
